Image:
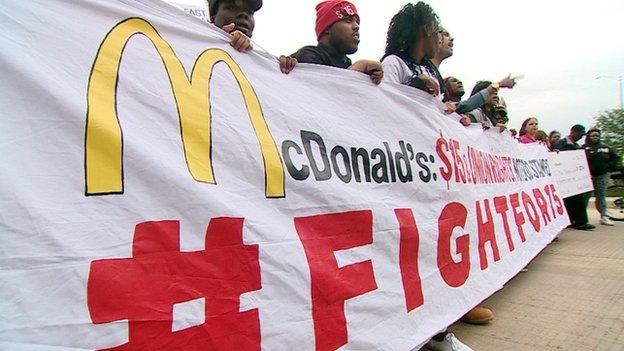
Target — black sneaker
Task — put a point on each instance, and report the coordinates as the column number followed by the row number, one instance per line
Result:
column 585, row 226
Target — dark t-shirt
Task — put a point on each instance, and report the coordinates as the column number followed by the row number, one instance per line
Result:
column 322, row 55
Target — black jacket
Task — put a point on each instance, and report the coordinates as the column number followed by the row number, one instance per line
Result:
column 601, row 159
column 322, row 55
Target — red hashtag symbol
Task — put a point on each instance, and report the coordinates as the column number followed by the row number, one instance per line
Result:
column 144, row 288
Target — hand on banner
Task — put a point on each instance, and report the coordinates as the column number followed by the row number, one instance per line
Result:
column 465, row 120
column 370, row 67
column 287, row 63
column 501, row 126
column 432, row 86
column 239, row 41
column 449, row 107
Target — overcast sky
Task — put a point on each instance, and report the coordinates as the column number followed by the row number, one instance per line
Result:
column 559, row 46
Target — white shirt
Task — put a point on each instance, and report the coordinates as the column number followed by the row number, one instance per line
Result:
column 396, row 71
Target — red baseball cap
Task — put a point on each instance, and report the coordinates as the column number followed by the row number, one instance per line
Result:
column 332, row 11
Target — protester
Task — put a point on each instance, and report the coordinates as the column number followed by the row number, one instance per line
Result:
column 338, row 34
column 236, row 17
column 500, row 111
column 576, row 205
column 412, row 38
column 528, row 131
column 486, row 114
column 602, row 159
column 454, row 89
column 454, row 92
column 553, row 138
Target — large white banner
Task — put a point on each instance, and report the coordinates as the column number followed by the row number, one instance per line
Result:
column 161, row 191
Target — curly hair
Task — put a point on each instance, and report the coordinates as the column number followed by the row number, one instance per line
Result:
column 405, row 27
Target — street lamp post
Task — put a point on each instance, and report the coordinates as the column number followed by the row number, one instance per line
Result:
column 619, row 78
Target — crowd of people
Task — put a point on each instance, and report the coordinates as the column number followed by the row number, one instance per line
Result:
column 601, row 159
column 416, row 46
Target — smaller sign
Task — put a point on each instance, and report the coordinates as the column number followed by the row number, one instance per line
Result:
column 571, row 171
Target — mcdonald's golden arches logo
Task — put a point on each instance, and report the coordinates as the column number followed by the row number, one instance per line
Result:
column 103, row 137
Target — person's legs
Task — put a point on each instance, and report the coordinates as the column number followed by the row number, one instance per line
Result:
column 577, row 211
column 583, row 201
column 569, row 204
column 596, row 203
column 601, row 183
column 600, row 187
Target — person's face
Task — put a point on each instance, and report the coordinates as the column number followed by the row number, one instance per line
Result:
column 576, row 136
column 344, row 35
column 431, row 39
column 445, row 43
column 554, row 138
column 594, row 137
column 492, row 101
column 237, row 12
column 456, row 87
column 532, row 126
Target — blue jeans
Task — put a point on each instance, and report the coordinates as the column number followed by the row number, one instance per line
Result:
column 600, row 186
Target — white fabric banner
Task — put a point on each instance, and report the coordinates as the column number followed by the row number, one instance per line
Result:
column 161, row 191
column 571, row 172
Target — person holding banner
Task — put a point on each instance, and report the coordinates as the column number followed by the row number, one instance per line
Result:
column 576, row 205
column 338, row 34
column 485, row 114
column 237, row 18
column 528, row 131
column 601, row 159
column 412, row 39
column 553, row 138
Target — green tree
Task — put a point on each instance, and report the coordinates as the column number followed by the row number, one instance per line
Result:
column 611, row 123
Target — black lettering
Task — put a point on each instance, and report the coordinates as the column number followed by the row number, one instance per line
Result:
column 404, row 168
column 380, row 166
column 298, row 174
column 425, row 174
column 339, row 150
column 306, row 138
column 363, row 154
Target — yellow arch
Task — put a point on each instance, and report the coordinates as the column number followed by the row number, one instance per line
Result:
column 103, row 139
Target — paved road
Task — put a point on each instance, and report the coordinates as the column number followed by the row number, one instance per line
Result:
column 572, row 298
